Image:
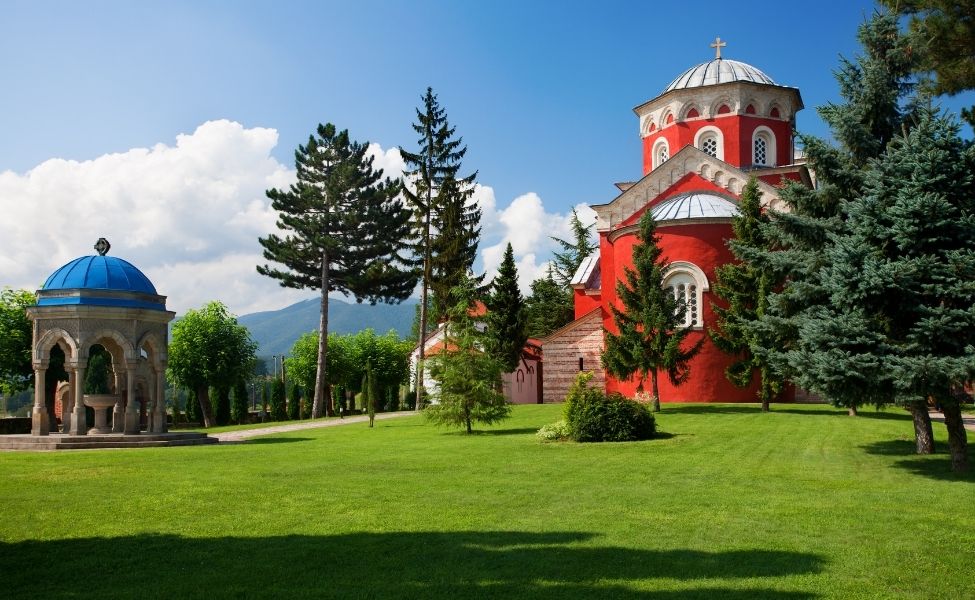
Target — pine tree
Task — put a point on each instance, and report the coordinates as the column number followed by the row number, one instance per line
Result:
column 454, row 246
column 506, row 318
column 581, row 247
column 548, row 307
column 744, row 287
column 438, row 196
column 797, row 322
column 468, row 378
column 902, row 270
column 651, row 325
column 346, row 231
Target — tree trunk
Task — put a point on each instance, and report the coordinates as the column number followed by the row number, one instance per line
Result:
column 851, row 410
column 203, row 395
column 320, row 386
column 957, row 436
column 423, row 306
column 764, row 390
column 923, row 435
column 655, row 401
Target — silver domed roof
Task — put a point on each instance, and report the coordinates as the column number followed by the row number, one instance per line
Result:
column 717, row 71
column 695, row 205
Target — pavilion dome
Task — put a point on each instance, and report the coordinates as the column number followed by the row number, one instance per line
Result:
column 696, row 205
column 717, row 71
column 100, row 273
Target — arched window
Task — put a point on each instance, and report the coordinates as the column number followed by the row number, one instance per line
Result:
column 774, row 113
column 693, row 114
column 710, row 140
column 763, row 147
column 687, row 283
column 661, row 152
column 724, row 109
column 750, row 109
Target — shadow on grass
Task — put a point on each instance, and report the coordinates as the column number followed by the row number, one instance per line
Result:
column 275, row 440
column 935, row 466
column 516, row 431
column 386, row 565
column 793, row 409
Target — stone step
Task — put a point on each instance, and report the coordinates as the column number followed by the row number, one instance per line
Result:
column 87, row 442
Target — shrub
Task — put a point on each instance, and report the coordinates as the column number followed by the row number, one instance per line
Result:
column 554, row 432
column 592, row 416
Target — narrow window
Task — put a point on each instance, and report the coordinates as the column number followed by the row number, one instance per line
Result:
column 761, row 151
column 709, row 144
column 580, row 363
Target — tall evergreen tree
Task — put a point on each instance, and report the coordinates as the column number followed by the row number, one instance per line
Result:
column 902, row 270
column 469, row 379
column 437, row 196
column 548, row 307
column 346, row 230
column 238, row 407
column 651, row 325
column 744, row 288
column 568, row 260
column 506, row 317
column 873, row 89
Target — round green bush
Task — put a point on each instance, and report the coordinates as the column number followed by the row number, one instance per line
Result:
column 592, row 416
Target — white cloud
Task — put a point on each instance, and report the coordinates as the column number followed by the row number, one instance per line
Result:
column 189, row 216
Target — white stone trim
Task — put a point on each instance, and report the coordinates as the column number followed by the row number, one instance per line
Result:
column 655, row 153
column 681, row 271
column 719, row 136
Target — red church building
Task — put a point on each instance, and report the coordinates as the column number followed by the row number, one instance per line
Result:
column 715, row 126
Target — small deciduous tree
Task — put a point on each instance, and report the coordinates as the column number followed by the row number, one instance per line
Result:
column 651, row 330
column 468, row 378
column 16, row 370
column 209, row 348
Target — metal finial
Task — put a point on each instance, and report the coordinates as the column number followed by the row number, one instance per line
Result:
column 102, row 246
column 718, row 45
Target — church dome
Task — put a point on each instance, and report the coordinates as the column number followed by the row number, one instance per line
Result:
column 718, row 71
column 696, row 205
column 100, row 273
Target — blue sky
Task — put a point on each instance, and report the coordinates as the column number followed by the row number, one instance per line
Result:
column 542, row 92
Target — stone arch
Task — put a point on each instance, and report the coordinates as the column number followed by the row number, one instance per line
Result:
column 128, row 351
column 722, row 100
column 42, row 349
column 158, row 355
column 685, row 111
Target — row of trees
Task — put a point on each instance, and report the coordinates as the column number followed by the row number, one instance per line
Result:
column 345, row 228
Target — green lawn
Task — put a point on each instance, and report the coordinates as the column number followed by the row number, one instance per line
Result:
column 804, row 502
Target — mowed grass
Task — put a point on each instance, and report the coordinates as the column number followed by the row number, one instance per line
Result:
column 803, row 502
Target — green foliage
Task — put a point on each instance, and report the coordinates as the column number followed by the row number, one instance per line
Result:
column 506, row 317
column 573, row 252
column 239, row 402
column 98, row 370
column 346, row 229
column 279, row 411
column 798, row 322
column 294, row 401
column 16, row 334
column 613, row 418
column 548, row 307
column 265, row 398
column 651, row 331
column 943, row 36
column 221, row 407
column 468, row 378
column 744, row 287
column 209, row 348
column 554, row 432
column 193, row 413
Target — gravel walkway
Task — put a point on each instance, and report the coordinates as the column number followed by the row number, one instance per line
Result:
column 239, row 436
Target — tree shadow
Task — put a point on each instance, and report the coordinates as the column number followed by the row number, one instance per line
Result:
column 934, row 466
column 516, row 431
column 275, row 440
column 430, row 565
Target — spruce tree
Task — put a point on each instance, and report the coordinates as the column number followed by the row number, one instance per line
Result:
column 744, row 288
column 903, row 268
column 798, row 319
column 651, row 331
column 548, row 307
column 432, row 183
column 454, row 246
column 294, row 402
column 346, row 229
column 573, row 252
column 469, row 379
column 506, row 318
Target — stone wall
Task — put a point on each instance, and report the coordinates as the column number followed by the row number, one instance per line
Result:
column 562, row 350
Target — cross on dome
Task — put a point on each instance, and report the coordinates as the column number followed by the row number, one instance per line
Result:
column 718, row 45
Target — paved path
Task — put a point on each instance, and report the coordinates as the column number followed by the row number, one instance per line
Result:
column 968, row 420
column 239, row 436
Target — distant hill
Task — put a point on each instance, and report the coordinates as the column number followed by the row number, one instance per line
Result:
column 275, row 331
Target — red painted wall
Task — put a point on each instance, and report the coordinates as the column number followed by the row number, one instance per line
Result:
column 737, row 131
column 584, row 303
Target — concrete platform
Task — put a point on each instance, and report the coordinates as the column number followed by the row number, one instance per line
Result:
column 61, row 441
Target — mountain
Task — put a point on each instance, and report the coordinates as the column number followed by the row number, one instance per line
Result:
column 275, row 331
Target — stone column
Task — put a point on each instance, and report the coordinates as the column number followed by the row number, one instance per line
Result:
column 131, row 414
column 160, row 422
column 68, row 405
column 118, row 413
column 79, row 422
column 40, row 423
